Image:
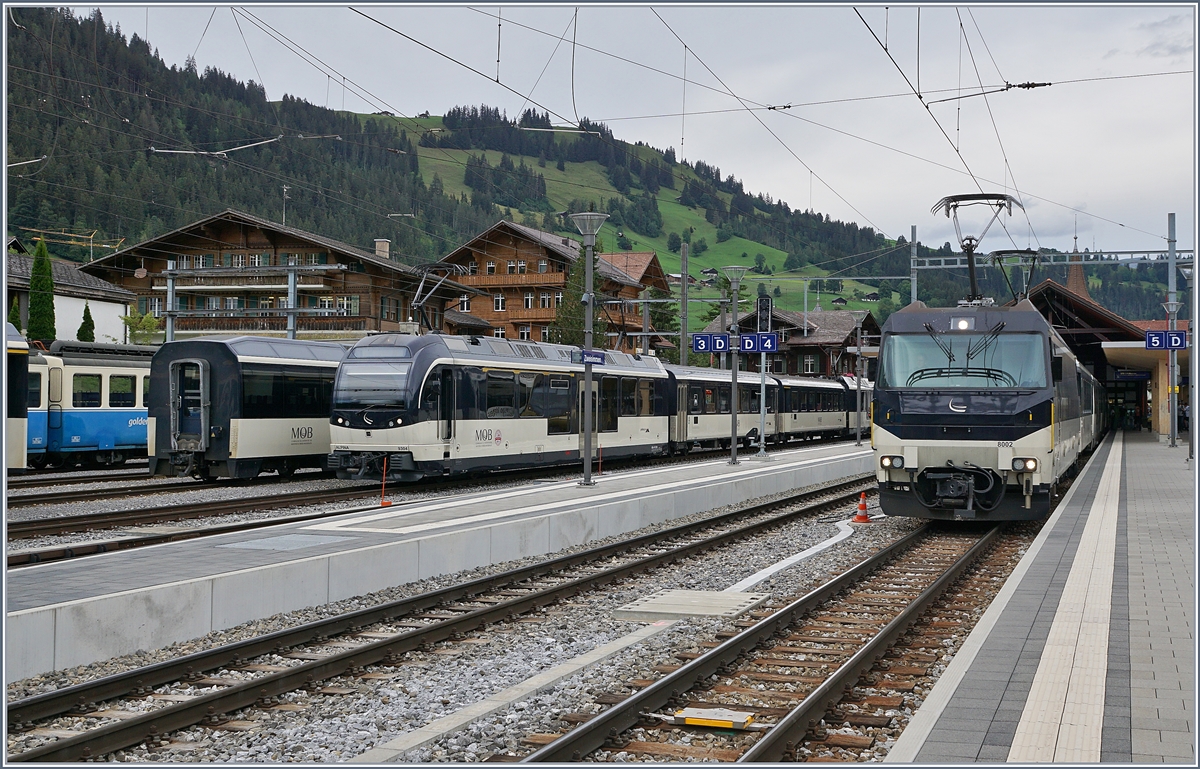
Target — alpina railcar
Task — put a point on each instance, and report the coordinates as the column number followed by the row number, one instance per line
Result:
column 434, row 405
column 241, row 406
column 17, row 409
column 979, row 412
column 87, row 404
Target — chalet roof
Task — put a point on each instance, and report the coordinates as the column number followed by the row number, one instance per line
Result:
column 231, row 215
column 563, row 247
column 1161, row 325
column 642, row 266
column 68, row 280
column 14, row 244
column 466, row 320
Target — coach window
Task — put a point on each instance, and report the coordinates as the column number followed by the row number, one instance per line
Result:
column 695, row 399
column 530, row 392
column 501, row 394
column 723, row 399
column 262, row 393
column 772, row 395
column 744, row 401
column 610, row 390
column 710, row 400
column 558, row 402
column 85, row 391
column 121, row 392
column 145, row 391
column 793, row 400
column 629, row 397
column 645, row 398
column 308, row 393
column 33, row 396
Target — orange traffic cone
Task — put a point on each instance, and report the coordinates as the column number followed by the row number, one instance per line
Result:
column 861, row 515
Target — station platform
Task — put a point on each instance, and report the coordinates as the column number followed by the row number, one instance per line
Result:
column 70, row 613
column 1087, row 654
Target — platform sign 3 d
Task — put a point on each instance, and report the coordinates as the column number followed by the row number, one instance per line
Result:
column 1156, row 340
column 710, row 343
column 1176, row 340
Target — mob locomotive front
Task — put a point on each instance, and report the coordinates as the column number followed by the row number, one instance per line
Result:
column 978, row 413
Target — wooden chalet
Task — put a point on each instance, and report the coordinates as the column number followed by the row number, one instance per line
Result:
column 231, row 278
column 825, row 346
column 521, row 274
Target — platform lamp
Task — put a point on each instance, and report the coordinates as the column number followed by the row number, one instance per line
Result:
column 859, row 316
column 1187, row 276
column 1172, row 309
column 588, row 223
column 734, row 272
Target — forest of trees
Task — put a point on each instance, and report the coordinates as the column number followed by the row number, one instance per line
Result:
column 95, row 104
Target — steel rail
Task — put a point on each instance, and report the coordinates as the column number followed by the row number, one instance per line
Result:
column 88, row 495
column 778, row 744
column 593, row 734
column 131, row 731
column 48, row 479
column 68, row 524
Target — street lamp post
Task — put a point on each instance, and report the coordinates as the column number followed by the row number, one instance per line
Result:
column 1172, row 309
column 734, row 273
column 859, row 316
column 588, row 223
column 1187, row 276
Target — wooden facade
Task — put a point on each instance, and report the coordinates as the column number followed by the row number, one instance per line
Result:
column 231, row 277
column 827, row 348
column 522, row 275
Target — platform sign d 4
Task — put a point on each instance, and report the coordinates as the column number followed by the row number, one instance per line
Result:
column 768, row 342
column 748, row 342
column 1156, row 340
column 1176, row 340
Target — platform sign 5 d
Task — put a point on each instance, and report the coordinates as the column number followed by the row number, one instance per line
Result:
column 1176, row 340
column 1156, row 340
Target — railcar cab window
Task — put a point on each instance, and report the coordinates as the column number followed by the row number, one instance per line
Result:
column 377, row 383
column 973, row 360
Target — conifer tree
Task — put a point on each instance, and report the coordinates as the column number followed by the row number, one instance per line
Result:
column 87, row 329
column 14, row 315
column 567, row 327
column 41, row 296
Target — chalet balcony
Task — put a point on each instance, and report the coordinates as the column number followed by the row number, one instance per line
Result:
column 222, row 324
column 529, row 279
column 248, row 282
column 519, row 316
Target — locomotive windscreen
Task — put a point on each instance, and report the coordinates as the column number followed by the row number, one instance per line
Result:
column 969, row 360
column 377, row 383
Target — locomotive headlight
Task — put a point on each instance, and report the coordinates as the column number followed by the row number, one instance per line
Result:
column 341, row 421
column 891, row 462
column 962, row 324
column 392, row 423
column 1021, row 465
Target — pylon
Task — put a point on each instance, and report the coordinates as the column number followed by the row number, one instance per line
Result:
column 861, row 515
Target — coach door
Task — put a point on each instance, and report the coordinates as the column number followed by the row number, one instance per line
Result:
column 446, row 411
column 190, row 405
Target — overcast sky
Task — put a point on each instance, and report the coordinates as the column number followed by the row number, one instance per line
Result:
column 856, row 144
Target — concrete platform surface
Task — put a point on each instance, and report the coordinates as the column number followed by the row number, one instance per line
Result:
column 1087, row 654
column 76, row 612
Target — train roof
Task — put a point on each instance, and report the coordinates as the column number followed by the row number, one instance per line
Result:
column 911, row 318
column 13, row 339
column 489, row 350
column 257, row 347
column 722, row 376
column 63, row 348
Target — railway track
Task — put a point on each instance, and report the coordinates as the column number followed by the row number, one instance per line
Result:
column 201, row 688
column 760, row 694
column 60, row 479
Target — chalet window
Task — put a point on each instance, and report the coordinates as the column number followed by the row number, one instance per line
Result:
column 520, row 266
column 231, row 303
column 239, row 260
column 268, row 302
column 183, row 262
column 256, row 260
column 154, row 306
column 326, row 303
column 525, row 333
column 491, row 268
column 212, row 303
column 498, row 332
column 543, row 265
column 464, row 303
column 498, row 302
column 558, row 266
column 473, row 268
column 545, row 333
column 810, row 364
column 558, row 295
column 545, row 300
column 348, row 305
column 512, row 267
column 204, row 260
column 528, row 300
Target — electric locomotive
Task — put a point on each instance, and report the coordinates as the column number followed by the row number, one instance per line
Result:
column 979, row 411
